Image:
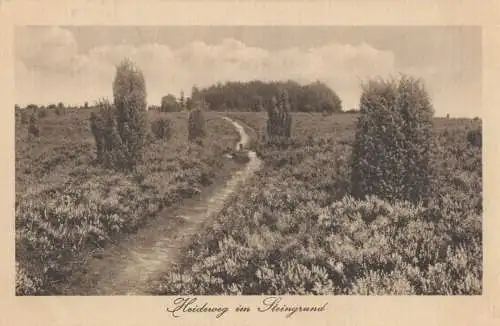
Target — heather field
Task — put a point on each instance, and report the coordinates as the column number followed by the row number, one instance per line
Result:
column 248, row 160
column 296, row 229
column 67, row 206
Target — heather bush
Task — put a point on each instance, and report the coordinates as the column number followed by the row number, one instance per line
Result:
column 196, row 124
column 161, row 128
column 109, row 146
column 279, row 120
column 34, row 127
column 26, row 285
column 25, row 117
column 60, row 110
column 274, row 241
column 393, row 143
column 42, row 112
column 475, row 137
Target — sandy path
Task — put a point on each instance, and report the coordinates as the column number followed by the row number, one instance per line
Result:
column 128, row 267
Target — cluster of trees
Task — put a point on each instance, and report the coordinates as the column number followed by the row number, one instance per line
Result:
column 170, row 103
column 257, row 96
column 121, row 128
column 60, row 106
column 393, row 150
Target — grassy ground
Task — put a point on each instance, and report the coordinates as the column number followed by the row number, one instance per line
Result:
column 66, row 205
column 294, row 229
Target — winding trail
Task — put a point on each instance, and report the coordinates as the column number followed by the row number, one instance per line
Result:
column 128, row 267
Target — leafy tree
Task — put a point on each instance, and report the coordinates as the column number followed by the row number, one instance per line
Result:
column 392, row 148
column 169, row 103
column 321, row 97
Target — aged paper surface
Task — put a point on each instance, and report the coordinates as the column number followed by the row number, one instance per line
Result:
column 342, row 310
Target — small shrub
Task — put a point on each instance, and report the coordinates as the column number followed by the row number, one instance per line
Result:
column 161, row 128
column 475, row 137
column 25, row 118
column 42, row 113
column 60, row 110
column 33, row 127
column 196, row 124
column 26, row 285
column 109, row 147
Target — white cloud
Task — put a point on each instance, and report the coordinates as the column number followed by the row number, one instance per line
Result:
column 50, row 68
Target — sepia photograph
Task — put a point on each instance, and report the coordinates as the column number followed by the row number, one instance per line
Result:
column 248, row 160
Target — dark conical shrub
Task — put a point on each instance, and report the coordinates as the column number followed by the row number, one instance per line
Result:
column 33, row 126
column 392, row 149
column 42, row 112
column 279, row 119
column 109, row 147
column 121, row 130
column 196, row 124
column 161, row 128
column 475, row 137
column 129, row 92
column 25, row 117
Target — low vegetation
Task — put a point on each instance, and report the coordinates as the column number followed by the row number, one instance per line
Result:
column 67, row 205
column 384, row 200
column 87, row 177
column 297, row 229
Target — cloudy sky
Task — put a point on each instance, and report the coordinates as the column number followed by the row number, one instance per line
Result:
column 77, row 64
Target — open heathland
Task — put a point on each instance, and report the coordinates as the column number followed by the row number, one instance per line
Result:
column 295, row 228
column 67, row 205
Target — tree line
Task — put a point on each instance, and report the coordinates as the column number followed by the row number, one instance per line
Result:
column 255, row 96
column 258, row 96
